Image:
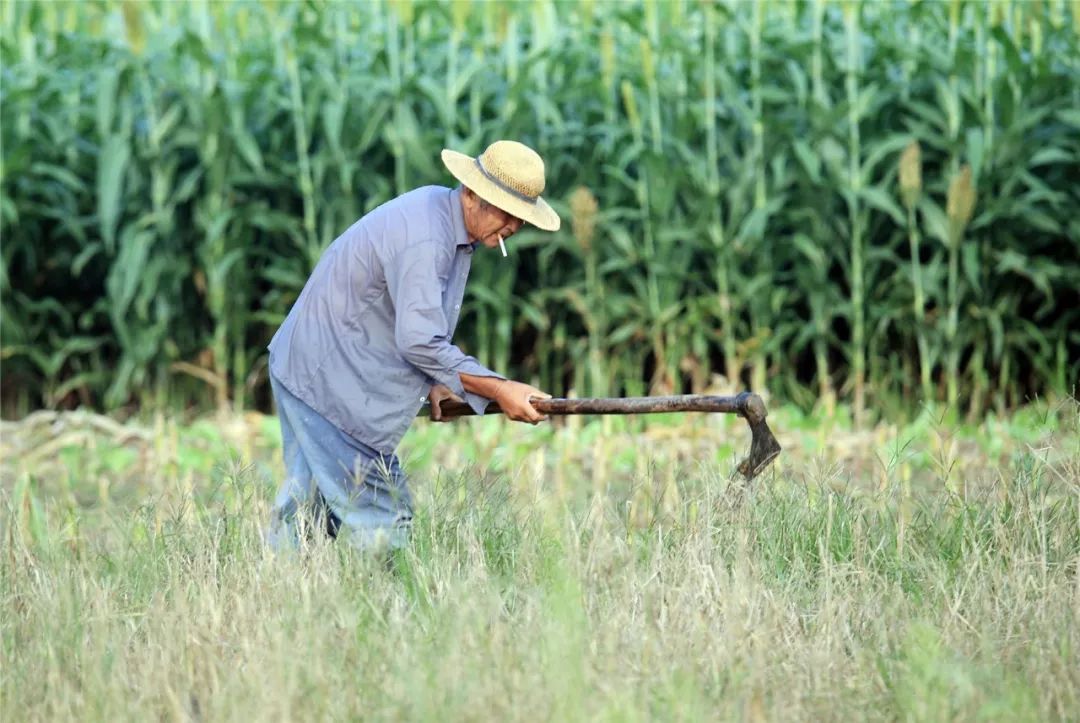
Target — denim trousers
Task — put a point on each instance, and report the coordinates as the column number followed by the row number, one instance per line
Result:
column 335, row 484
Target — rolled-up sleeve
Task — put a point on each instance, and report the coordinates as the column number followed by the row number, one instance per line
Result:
column 421, row 330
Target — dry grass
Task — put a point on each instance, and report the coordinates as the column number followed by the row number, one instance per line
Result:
column 590, row 573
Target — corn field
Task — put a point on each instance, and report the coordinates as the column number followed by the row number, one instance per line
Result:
column 870, row 202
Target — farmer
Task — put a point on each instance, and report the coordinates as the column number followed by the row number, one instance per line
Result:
column 369, row 339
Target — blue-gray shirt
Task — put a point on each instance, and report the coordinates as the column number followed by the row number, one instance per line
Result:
column 371, row 330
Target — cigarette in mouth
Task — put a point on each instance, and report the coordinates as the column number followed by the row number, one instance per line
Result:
column 502, row 246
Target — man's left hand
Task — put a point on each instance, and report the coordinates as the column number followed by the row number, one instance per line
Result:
column 438, row 393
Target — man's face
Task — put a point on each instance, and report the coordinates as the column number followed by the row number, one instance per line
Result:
column 487, row 222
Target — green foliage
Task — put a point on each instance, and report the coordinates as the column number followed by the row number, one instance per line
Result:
column 172, row 171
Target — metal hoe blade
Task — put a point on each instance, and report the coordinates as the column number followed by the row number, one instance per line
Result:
column 763, row 445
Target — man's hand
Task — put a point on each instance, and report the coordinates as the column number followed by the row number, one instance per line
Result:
column 438, row 393
column 514, row 398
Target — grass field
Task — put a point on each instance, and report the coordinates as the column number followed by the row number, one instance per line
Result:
column 605, row 570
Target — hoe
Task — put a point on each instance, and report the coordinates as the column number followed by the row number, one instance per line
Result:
column 763, row 445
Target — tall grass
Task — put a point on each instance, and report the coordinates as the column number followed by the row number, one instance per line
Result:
column 858, row 581
column 172, row 171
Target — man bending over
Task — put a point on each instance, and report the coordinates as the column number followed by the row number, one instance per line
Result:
column 370, row 337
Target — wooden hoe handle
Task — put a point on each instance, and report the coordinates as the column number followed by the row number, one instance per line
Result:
column 763, row 445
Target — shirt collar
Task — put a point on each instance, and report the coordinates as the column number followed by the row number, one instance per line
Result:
column 457, row 216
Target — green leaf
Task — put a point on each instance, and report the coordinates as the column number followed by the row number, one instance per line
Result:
column 83, row 257
column 812, row 251
column 61, row 174
column 969, row 256
column 248, row 148
column 882, row 201
column 127, row 271
column 934, row 220
column 623, row 333
column 975, row 150
column 112, row 165
column 1071, row 116
column 108, row 81
column 809, row 160
column 1045, row 156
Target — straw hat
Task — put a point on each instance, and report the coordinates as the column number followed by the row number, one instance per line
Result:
column 508, row 175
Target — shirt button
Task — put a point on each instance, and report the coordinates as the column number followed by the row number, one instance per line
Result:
column 457, row 306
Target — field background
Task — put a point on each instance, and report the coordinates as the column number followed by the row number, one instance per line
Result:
column 864, row 211
column 866, row 201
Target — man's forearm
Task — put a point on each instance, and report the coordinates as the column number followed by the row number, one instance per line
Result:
column 484, row 386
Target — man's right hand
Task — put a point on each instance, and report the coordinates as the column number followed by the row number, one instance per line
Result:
column 513, row 397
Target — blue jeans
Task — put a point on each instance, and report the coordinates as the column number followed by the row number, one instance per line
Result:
column 335, row 483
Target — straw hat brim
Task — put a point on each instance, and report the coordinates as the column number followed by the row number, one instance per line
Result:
column 537, row 212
